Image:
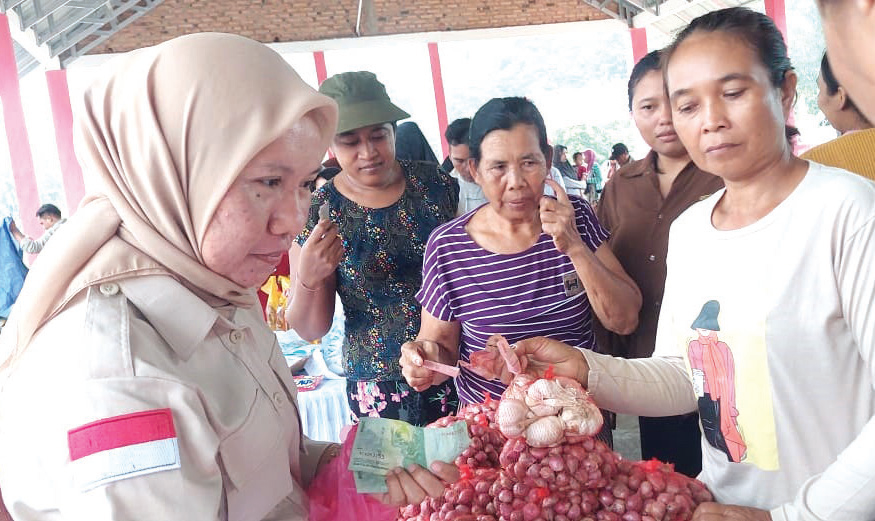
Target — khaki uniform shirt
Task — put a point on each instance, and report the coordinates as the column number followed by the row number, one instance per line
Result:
column 149, row 344
column 633, row 209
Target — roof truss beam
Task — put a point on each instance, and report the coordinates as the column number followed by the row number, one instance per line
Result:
column 74, row 50
column 56, row 30
column 26, row 41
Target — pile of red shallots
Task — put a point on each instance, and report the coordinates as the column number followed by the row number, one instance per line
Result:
column 533, row 457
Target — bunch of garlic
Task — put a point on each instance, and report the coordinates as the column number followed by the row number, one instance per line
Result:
column 547, row 411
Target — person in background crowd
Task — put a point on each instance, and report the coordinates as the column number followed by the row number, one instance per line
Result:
column 525, row 264
column 470, row 194
column 638, row 207
column 768, row 295
column 583, row 173
column 410, row 144
column 619, row 158
column 139, row 339
column 560, row 162
column 49, row 218
column 564, row 174
column 594, row 177
column 849, row 30
column 579, row 168
column 369, row 251
column 835, row 103
column 854, row 150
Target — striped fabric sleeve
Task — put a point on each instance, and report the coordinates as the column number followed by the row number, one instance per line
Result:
column 433, row 293
column 591, row 230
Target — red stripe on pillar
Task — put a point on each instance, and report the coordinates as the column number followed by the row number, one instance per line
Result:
column 439, row 99
column 62, row 113
column 639, row 43
column 321, row 75
column 321, row 70
column 16, row 134
column 776, row 11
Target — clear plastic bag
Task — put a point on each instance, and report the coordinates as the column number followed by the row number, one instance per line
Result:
column 333, row 496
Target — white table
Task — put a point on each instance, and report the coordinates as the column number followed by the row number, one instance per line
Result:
column 325, row 410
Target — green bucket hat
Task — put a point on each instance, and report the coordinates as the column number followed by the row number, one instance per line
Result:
column 361, row 100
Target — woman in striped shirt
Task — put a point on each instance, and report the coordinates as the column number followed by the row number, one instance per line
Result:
column 523, row 265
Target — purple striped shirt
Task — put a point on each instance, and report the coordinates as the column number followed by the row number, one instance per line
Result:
column 520, row 295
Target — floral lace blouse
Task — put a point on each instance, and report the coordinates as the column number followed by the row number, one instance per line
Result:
column 381, row 268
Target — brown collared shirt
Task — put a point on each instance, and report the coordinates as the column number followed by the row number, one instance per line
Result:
column 633, row 209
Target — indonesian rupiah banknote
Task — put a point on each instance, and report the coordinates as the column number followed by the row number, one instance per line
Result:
column 381, row 445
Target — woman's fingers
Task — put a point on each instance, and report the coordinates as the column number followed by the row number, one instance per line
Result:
column 447, row 472
column 416, row 482
column 321, row 231
column 395, row 494
column 543, row 352
column 561, row 196
column 411, row 353
column 417, row 376
column 335, row 252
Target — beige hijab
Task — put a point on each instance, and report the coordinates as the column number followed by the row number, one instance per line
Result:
column 163, row 136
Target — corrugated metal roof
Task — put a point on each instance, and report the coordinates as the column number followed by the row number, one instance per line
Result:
column 67, row 29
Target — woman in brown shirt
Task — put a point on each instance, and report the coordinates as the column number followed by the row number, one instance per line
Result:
column 638, row 205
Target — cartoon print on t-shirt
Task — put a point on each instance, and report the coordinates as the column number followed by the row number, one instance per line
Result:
column 713, row 368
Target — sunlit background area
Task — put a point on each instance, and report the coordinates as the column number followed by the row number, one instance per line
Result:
column 576, row 73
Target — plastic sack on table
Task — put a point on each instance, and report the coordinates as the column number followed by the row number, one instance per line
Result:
column 333, row 496
column 12, row 269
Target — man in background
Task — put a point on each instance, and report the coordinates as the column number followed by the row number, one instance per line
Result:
column 50, row 218
column 470, row 194
column 619, row 158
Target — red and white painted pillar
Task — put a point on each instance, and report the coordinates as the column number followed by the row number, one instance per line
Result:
column 321, row 69
column 62, row 114
column 639, row 42
column 440, row 101
column 16, row 135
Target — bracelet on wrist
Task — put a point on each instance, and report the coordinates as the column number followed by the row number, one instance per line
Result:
column 306, row 287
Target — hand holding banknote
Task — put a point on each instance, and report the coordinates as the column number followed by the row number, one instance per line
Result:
column 410, row 486
column 391, row 457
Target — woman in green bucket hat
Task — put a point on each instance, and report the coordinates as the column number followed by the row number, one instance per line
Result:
column 367, row 246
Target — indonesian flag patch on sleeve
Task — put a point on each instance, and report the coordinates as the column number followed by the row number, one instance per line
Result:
column 123, row 447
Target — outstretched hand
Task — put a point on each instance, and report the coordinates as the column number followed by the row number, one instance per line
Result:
column 534, row 356
column 539, row 353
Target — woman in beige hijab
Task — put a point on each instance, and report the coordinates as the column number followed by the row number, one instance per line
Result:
column 138, row 378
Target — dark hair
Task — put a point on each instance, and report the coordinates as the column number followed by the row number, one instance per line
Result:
column 504, row 114
column 410, row 144
column 650, row 62
column 576, row 154
column 457, row 131
column 832, row 85
column 328, row 172
column 48, row 209
column 755, row 29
